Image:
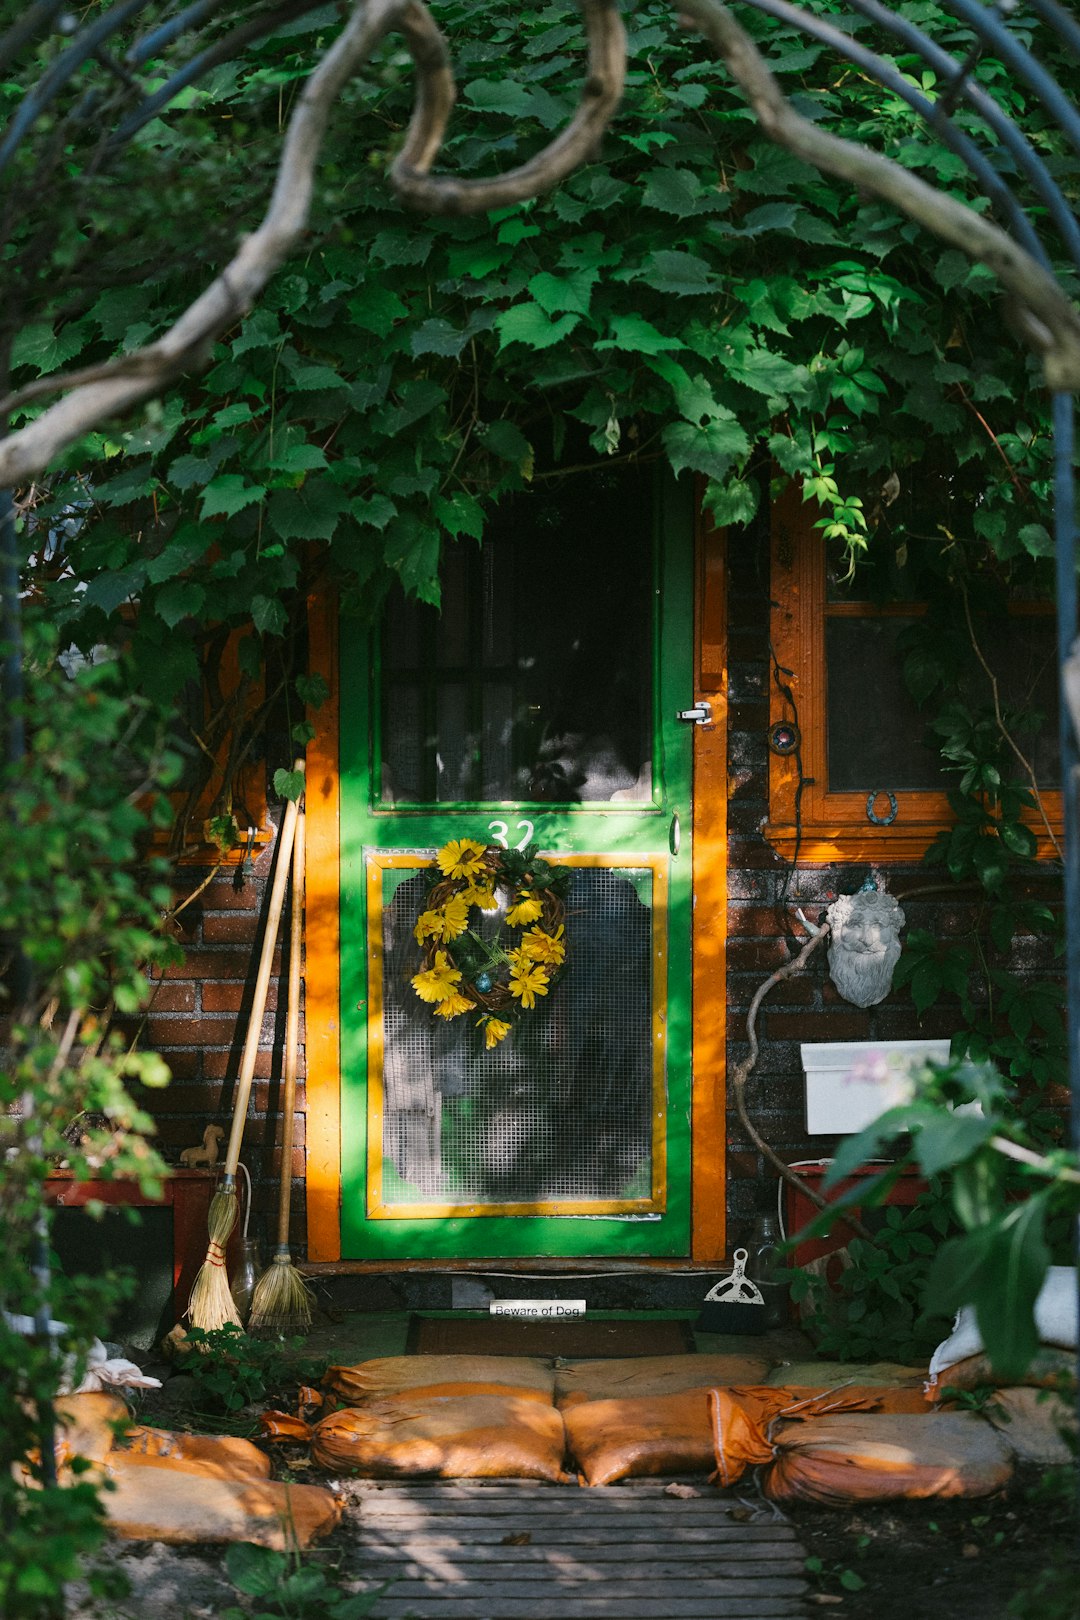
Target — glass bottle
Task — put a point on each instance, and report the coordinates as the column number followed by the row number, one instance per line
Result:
column 766, row 1268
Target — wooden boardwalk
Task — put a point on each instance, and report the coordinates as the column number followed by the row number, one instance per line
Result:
column 509, row 1550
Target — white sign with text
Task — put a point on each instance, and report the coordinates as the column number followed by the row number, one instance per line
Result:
column 546, row 1309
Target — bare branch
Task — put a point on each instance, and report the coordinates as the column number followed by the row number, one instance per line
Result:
column 1044, row 316
column 740, row 1073
column 1035, row 1161
column 1007, row 736
column 187, row 343
column 409, row 173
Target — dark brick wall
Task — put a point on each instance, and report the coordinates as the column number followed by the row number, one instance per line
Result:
column 198, row 1020
column 764, row 933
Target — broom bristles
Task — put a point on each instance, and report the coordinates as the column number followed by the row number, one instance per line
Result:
column 211, row 1304
column 282, row 1299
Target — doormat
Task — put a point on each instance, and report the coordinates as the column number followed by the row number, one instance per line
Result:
column 504, row 1336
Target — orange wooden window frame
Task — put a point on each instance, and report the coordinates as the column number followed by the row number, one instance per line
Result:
column 825, row 826
column 199, row 851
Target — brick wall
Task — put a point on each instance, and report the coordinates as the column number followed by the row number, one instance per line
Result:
column 198, row 1020
column 763, row 932
column 199, row 1014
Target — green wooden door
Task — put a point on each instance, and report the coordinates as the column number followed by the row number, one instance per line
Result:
column 538, row 705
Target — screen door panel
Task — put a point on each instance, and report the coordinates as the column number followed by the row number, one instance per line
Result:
column 537, row 706
column 569, row 1117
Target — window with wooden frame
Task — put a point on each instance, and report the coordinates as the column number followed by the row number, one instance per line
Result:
column 220, row 803
column 852, row 776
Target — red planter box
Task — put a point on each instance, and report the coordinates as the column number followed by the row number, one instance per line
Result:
column 799, row 1211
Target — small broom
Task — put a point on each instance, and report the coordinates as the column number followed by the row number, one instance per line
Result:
column 211, row 1304
column 282, row 1300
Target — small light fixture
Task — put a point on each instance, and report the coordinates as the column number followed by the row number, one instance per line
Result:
column 784, row 737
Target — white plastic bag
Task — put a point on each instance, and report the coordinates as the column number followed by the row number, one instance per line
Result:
column 1056, row 1320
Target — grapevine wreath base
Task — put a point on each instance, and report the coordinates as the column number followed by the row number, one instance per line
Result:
column 464, row 973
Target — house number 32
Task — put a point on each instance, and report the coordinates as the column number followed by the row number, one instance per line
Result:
column 499, row 830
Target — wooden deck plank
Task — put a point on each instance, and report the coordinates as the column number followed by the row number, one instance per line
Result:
column 591, row 1553
column 443, row 1552
column 462, row 1508
column 620, row 1526
column 570, row 1594
column 507, row 1606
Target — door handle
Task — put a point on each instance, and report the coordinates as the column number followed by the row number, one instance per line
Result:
column 699, row 715
column 674, row 833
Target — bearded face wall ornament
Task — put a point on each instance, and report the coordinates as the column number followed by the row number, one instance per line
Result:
column 864, row 946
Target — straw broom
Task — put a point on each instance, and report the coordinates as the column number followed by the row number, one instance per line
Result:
column 211, row 1304
column 282, row 1300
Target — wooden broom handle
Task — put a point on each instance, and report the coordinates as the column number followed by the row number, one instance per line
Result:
column 262, row 981
column 292, row 1030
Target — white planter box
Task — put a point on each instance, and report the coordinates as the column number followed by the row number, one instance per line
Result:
column 839, row 1105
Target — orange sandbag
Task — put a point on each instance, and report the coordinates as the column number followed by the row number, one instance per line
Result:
column 87, row 1425
column 743, row 1419
column 448, row 1436
column 182, row 1506
column 876, row 1457
column 655, row 1434
column 630, row 1377
column 1048, row 1369
column 281, row 1428
column 518, row 1376
column 221, row 1456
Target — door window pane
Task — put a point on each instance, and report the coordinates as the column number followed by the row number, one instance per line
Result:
column 559, row 1112
column 534, row 681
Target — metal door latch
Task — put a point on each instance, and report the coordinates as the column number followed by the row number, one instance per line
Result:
column 699, row 715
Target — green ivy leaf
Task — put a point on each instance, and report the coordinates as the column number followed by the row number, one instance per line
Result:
column 228, row 494
column 310, row 513
column 268, row 616
column 571, row 292
column 506, row 440
column 680, row 192
column 460, row 514
column 527, row 323
column 179, row 600
column 683, row 275
column 712, row 448
column 256, row 1571
column 438, row 336
column 637, row 335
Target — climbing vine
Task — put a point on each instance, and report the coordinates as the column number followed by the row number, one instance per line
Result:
column 694, row 296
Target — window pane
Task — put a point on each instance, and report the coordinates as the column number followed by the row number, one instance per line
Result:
column 875, row 730
column 534, row 681
column 561, row 1111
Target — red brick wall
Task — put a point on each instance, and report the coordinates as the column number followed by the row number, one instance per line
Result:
column 198, row 1020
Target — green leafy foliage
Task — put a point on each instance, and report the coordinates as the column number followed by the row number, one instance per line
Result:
column 231, row 1370
column 692, row 293
column 79, row 927
column 281, row 1587
column 875, row 1308
column 1002, row 1207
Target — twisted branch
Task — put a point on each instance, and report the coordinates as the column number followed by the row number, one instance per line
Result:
column 1043, row 315
column 409, row 173
column 1025, row 763
column 1046, row 319
column 94, row 394
column 740, row 1073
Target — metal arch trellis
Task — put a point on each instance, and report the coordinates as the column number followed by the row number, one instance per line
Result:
column 173, row 28
column 989, row 25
